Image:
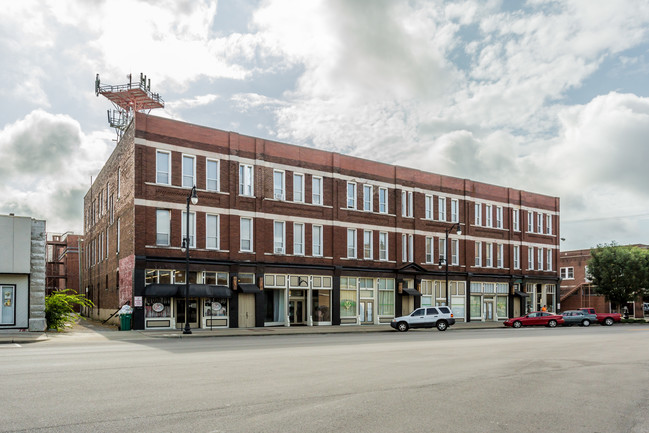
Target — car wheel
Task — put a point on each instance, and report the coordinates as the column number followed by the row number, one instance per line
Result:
column 402, row 326
column 552, row 323
column 586, row 322
column 608, row 321
column 442, row 325
column 517, row 324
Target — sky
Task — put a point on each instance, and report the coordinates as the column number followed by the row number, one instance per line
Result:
column 545, row 96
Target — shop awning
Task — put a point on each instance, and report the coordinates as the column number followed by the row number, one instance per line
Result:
column 208, row 291
column 161, row 290
column 411, row 292
column 521, row 294
column 249, row 288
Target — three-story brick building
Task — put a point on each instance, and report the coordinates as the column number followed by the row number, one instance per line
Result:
column 289, row 235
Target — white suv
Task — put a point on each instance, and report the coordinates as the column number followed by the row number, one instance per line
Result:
column 425, row 317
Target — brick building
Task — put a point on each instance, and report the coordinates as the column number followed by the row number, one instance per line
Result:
column 62, row 270
column 578, row 291
column 284, row 235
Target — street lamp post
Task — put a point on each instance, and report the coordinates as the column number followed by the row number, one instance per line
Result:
column 449, row 230
column 193, row 198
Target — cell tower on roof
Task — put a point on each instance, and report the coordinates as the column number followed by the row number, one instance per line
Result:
column 128, row 99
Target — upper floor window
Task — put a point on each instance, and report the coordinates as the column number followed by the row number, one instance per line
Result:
column 279, row 237
column 383, row 200
column 478, row 254
column 351, row 195
column 192, row 228
column 517, row 257
column 429, row 249
column 316, row 190
column 499, row 256
column 516, row 219
column 404, row 248
column 489, row 255
column 212, row 232
column 548, row 224
column 298, row 239
column 411, row 248
column 163, row 222
column 368, row 192
column 278, row 185
column 351, row 243
column 454, row 210
column 478, row 214
column 119, row 182
column 406, row 203
column 317, row 240
column 530, row 258
column 212, row 174
column 539, row 223
column 455, row 252
column 442, row 251
column 568, row 273
column 298, row 187
column 428, row 207
column 499, row 217
column 246, row 234
column 163, row 167
column 383, row 246
column 488, row 215
column 367, row 244
column 246, row 180
column 189, row 170
column 548, row 263
column 540, row 258
column 441, row 212
column 530, row 221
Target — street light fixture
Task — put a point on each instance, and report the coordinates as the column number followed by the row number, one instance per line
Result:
column 445, row 259
column 193, row 198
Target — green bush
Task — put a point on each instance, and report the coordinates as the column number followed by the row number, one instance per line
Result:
column 633, row 321
column 59, row 308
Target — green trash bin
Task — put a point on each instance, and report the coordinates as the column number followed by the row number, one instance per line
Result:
column 125, row 322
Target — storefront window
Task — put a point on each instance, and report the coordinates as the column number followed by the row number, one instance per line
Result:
column 367, row 287
column 501, row 306
column 179, row 277
column 215, row 278
column 151, row 276
column 476, row 310
column 348, row 297
column 386, row 296
column 457, row 306
column 275, row 310
column 427, row 293
column 321, row 305
column 157, row 307
column 8, row 306
column 164, row 277
column 247, row 278
column 215, row 307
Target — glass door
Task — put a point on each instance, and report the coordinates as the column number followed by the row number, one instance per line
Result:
column 192, row 310
column 367, row 312
column 296, row 311
column 8, row 307
column 489, row 310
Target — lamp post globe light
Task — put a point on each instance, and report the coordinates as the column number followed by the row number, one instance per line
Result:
column 445, row 259
column 193, row 198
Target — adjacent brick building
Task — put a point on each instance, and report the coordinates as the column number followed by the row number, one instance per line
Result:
column 63, row 258
column 285, row 235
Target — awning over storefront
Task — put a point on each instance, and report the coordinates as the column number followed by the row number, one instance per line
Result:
column 249, row 288
column 161, row 290
column 521, row 294
column 411, row 292
column 208, row 291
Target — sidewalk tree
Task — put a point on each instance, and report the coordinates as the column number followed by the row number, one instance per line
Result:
column 619, row 272
column 59, row 308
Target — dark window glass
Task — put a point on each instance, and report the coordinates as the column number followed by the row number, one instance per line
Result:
column 431, row 311
column 419, row 312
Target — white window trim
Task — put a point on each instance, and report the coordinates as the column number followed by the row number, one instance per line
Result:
column 351, row 201
column 411, row 249
column 488, row 216
column 193, row 158
column 382, row 189
column 385, row 235
column 168, row 167
column 218, row 231
column 192, row 235
column 410, row 203
column 319, row 190
column 295, row 239
column 478, row 254
column 243, row 169
column 441, row 208
column 301, row 189
column 500, row 256
column 218, row 173
column 516, row 220
column 371, row 255
column 281, row 249
column 517, row 257
column 455, row 210
column 455, row 252
column 168, row 227
column 371, row 198
column 478, row 214
column 282, row 194
column 530, row 258
column 489, row 252
column 499, row 217
column 319, row 238
column 354, row 243
column 241, row 239
column 404, row 248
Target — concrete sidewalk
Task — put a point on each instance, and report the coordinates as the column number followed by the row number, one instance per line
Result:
column 90, row 329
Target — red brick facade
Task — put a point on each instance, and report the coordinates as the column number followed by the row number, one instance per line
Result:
column 142, row 195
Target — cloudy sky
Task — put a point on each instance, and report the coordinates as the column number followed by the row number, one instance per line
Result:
column 545, row 96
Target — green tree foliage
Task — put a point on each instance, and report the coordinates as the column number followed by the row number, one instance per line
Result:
column 621, row 273
column 59, row 308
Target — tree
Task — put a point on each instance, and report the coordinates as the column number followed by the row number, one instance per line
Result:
column 59, row 308
column 621, row 273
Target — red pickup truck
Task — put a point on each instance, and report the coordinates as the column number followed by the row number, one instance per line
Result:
column 604, row 318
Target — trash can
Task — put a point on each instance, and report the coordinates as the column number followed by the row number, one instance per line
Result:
column 125, row 322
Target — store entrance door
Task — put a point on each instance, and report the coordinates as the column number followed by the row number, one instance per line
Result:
column 296, row 311
column 367, row 312
column 193, row 313
column 488, row 311
column 246, row 310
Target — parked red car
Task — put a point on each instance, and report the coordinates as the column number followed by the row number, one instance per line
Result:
column 535, row 318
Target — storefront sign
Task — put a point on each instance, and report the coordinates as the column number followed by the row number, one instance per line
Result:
column 158, row 307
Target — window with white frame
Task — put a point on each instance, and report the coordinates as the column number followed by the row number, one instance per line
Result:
column 351, row 195
column 489, row 254
column 478, row 254
column 212, row 232
column 478, row 214
column 499, row 255
column 410, row 203
column 587, row 276
column 499, row 217
column 429, row 249
column 516, row 219
column 212, row 174
column 539, row 223
column 246, row 234
column 411, row 250
column 548, row 263
column 279, row 185
column 316, row 241
column 189, row 171
column 298, row 239
column 118, row 234
column 404, row 203
column 383, row 246
column 540, row 258
column 548, row 224
column 192, row 228
column 568, row 273
column 279, row 237
column 163, row 222
column 368, row 192
column 351, row 243
column 488, row 216
column 298, row 187
column 455, row 252
column 442, row 251
column 119, row 182
column 367, row 244
column 530, row 258
column 441, row 211
column 428, row 206
column 517, row 257
column 316, row 190
column 404, row 248
column 454, row 210
column 530, row 221
column 383, row 200
column 163, row 167
column 246, row 180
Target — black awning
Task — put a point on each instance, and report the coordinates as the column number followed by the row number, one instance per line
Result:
column 411, row 292
column 208, row 291
column 521, row 294
column 249, row 288
column 161, row 290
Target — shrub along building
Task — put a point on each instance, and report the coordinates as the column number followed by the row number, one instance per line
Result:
column 284, row 235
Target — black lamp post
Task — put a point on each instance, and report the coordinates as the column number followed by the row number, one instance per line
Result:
column 193, row 198
column 449, row 230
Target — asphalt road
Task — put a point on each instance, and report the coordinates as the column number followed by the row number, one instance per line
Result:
column 488, row 380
